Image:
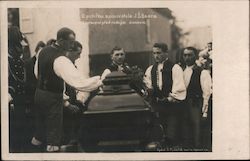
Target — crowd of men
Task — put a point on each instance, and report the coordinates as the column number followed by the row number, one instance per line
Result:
column 180, row 94
column 49, row 90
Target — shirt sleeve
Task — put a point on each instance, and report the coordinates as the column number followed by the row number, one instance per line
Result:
column 105, row 73
column 206, row 85
column 147, row 78
column 178, row 87
column 66, row 70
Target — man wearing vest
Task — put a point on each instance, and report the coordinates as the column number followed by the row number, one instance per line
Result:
column 53, row 68
column 165, row 84
column 198, row 83
column 118, row 57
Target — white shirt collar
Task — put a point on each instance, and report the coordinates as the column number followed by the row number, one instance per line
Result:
column 117, row 64
column 163, row 61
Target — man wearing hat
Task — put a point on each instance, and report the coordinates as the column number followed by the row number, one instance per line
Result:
column 53, row 68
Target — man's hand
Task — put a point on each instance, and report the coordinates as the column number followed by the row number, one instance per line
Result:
column 204, row 110
column 170, row 99
column 204, row 115
column 73, row 108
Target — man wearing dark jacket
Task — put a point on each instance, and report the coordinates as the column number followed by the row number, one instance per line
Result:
column 19, row 130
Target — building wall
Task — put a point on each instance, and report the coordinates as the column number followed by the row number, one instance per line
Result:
column 199, row 37
column 42, row 24
column 133, row 38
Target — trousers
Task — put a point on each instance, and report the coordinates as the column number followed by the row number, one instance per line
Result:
column 192, row 123
column 169, row 117
column 49, row 117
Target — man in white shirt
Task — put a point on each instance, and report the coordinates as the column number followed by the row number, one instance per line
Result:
column 198, row 83
column 118, row 56
column 54, row 68
column 166, row 87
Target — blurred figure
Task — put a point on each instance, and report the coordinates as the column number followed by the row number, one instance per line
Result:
column 40, row 45
column 208, row 63
column 205, row 57
column 26, row 49
column 207, row 123
column 166, row 87
column 29, row 65
column 30, row 87
column 10, row 18
column 13, row 20
column 210, row 46
column 51, row 42
column 19, row 131
column 198, row 83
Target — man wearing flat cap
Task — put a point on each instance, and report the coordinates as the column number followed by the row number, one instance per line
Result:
column 54, row 68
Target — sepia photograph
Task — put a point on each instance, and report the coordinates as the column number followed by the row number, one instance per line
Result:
column 112, row 80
